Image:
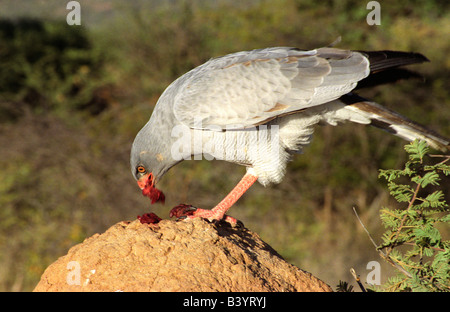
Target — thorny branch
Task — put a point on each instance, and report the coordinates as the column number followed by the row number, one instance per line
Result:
column 413, row 199
column 380, row 252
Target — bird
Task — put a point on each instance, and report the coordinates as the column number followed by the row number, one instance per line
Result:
column 258, row 109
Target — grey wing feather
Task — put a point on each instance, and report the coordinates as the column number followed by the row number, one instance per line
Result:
column 247, row 88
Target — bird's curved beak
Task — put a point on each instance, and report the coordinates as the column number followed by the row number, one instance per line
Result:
column 146, row 184
column 143, row 181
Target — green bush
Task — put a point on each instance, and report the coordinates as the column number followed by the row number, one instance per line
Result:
column 47, row 66
column 424, row 260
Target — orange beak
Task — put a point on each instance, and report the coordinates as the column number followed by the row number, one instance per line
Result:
column 143, row 181
column 146, row 184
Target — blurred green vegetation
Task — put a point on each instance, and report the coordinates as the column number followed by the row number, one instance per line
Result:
column 72, row 98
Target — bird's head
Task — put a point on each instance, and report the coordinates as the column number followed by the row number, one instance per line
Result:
column 151, row 158
column 146, row 181
column 147, row 184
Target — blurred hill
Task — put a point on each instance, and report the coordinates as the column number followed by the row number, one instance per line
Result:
column 72, row 98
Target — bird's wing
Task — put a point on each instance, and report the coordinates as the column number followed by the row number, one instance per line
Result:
column 245, row 89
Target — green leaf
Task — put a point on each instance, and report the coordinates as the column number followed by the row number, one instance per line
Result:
column 445, row 218
column 435, row 199
column 429, row 178
column 417, row 150
column 390, row 175
column 401, row 192
column 428, row 252
column 444, row 168
column 428, row 233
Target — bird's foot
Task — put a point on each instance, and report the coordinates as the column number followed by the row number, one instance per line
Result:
column 184, row 211
column 149, row 218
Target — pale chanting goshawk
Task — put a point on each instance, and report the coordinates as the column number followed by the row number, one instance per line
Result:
column 257, row 108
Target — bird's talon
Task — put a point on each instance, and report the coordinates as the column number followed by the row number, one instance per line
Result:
column 182, row 211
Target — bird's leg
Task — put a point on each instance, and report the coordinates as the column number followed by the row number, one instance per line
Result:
column 218, row 212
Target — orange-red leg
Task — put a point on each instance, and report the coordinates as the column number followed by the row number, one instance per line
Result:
column 218, row 212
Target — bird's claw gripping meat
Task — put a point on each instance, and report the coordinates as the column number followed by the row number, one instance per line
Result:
column 182, row 211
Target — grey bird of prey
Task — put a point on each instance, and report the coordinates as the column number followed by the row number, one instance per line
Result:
column 257, row 108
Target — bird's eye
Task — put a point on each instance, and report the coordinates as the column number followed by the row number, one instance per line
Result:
column 141, row 169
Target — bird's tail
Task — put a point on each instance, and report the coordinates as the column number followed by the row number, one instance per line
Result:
column 395, row 123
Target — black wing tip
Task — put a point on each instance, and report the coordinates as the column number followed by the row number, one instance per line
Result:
column 414, row 57
column 387, row 59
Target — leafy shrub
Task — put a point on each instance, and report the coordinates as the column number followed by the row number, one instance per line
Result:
column 46, row 66
column 423, row 260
